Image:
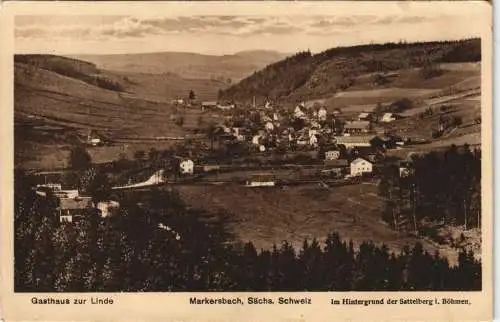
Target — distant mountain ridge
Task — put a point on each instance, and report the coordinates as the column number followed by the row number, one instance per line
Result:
column 307, row 76
column 233, row 67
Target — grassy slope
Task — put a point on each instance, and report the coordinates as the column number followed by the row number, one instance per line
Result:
column 165, row 87
column 75, row 104
column 268, row 216
column 306, row 76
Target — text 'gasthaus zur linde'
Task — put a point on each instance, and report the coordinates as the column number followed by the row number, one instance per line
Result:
column 69, row 301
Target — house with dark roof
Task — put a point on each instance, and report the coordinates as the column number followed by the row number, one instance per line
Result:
column 208, row 105
column 73, row 208
column 357, row 127
column 354, row 141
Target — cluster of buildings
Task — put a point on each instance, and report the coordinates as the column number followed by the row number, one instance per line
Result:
column 71, row 206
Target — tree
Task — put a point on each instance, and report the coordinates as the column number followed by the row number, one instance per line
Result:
column 192, row 95
column 179, row 121
column 79, row 158
column 99, row 187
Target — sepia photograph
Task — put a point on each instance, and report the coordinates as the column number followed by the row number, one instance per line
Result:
column 246, row 153
column 298, row 150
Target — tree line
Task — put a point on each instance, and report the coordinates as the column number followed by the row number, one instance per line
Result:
column 156, row 243
column 443, row 187
column 307, row 75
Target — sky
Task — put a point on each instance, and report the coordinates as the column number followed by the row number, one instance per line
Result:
column 228, row 32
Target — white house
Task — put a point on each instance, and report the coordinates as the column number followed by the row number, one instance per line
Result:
column 313, row 140
column 107, row 207
column 186, row 166
column 256, row 140
column 332, row 155
column 312, row 132
column 364, row 116
column 360, row 166
column 269, row 126
column 261, row 180
column 387, row 117
column 322, row 114
column 302, row 140
column 298, row 113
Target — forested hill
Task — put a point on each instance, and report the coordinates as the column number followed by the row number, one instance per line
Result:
column 305, row 75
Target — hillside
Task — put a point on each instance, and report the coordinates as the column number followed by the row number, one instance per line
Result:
column 305, row 76
column 188, row 65
column 56, row 100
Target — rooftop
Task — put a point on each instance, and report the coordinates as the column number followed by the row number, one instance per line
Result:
column 357, row 125
column 359, row 160
column 354, row 139
column 75, row 203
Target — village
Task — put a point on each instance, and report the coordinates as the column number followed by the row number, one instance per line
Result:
column 265, row 146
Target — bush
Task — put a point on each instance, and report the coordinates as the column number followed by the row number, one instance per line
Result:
column 379, row 79
column 401, row 105
column 79, row 158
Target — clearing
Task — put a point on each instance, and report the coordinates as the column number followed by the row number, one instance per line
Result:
column 267, row 216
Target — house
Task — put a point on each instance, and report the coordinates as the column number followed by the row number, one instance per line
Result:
column 269, row 126
column 238, row 132
column 335, row 167
column 261, row 180
column 355, row 141
column 357, row 127
column 405, row 169
column 256, row 139
column 179, row 101
column 389, row 117
column 66, row 194
column 313, row 140
column 298, row 113
column 302, row 140
column 72, row 208
column 360, row 166
column 186, row 166
column 208, row 105
column 226, row 107
column 107, row 208
column 312, row 132
column 339, row 163
column 210, row 167
column 365, row 117
column 43, row 189
column 322, row 114
column 332, row 155
column 93, row 139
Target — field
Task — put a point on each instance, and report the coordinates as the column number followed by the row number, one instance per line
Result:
column 267, row 216
column 163, row 88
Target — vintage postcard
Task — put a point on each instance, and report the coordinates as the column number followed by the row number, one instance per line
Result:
column 233, row 161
